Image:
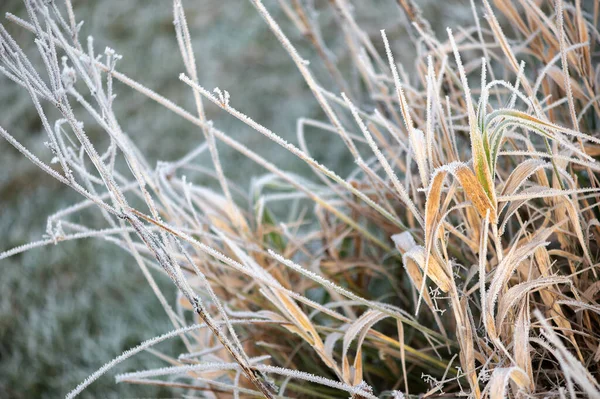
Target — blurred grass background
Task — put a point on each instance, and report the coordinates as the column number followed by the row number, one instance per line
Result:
column 65, row 310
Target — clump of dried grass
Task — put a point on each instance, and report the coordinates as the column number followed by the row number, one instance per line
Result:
column 483, row 188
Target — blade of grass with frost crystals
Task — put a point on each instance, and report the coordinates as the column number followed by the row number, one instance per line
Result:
column 165, row 259
column 430, row 112
column 518, row 177
column 216, row 302
column 74, row 185
column 413, row 259
column 570, row 365
column 520, row 291
column 386, row 166
column 361, row 326
column 187, row 53
column 268, row 280
column 558, row 77
column 433, row 270
column 234, row 144
column 213, row 386
column 503, row 42
column 565, row 63
column 501, row 377
column 505, row 269
column 480, row 159
column 543, row 192
column 473, row 192
column 302, row 66
column 78, row 130
column 145, row 345
column 551, row 63
column 592, row 166
column 68, row 237
column 416, row 257
column 300, row 324
column 370, row 304
column 571, row 207
column 483, row 244
column 356, row 391
column 294, row 150
column 239, row 267
column 550, row 298
column 536, row 125
column 417, row 144
column 522, row 352
column 128, row 353
column 471, row 187
column 296, row 374
column 521, row 174
column 176, row 370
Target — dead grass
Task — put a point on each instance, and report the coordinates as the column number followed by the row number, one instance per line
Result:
column 477, row 174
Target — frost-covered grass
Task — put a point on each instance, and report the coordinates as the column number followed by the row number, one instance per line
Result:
column 457, row 257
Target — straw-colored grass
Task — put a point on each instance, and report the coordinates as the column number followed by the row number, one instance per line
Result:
column 460, row 258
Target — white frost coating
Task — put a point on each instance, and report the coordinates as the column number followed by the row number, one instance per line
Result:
column 293, row 149
column 128, row 353
column 386, row 166
column 404, row 241
column 418, row 145
column 223, row 96
column 387, row 309
column 145, row 345
column 545, row 193
column 214, row 366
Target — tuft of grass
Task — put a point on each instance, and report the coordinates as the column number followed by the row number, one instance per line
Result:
column 458, row 258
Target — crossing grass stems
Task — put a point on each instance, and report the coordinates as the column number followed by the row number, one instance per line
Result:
column 460, row 256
